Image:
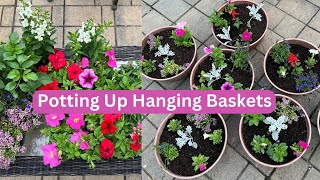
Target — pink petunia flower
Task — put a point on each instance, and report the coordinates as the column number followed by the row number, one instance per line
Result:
column 202, row 167
column 84, row 146
column 303, row 144
column 87, row 78
column 139, row 126
column 50, row 155
column 142, row 58
column 76, row 137
column 246, row 36
column 112, row 58
column 84, row 62
column 75, row 121
column 180, row 32
column 227, row 86
column 181, row 25
column 53, row 120
column 208, row 50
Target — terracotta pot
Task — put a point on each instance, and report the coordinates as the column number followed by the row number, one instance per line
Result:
column 238, row 2
column 205, row 57
column 319, row 122
column 308, row 124
column 158, row 158
column 290, row 41
column 181, row 75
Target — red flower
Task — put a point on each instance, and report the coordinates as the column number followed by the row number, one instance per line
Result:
column 57, row 60
column 234, row 14
column 108, row 127
column 112, row 116
column 73, row 72
column 106, row 149
column 135, row 137
column 54, row 85
column 135, row 146
column 292, row 59
column 43, row 69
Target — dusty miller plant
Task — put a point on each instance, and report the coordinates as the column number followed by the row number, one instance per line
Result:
column 169, row 67
column 225, row 35
column 185, row 137
column 254, row 13
column 276, row 125
column 164, row 51
column 213, row 75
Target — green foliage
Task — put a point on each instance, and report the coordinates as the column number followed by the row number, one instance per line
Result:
column 253, row 119
column 240, row 59
column 282, row 71
column 185, row 40
column 198, row 160
column 237, row 23
column 286, row 108
column 174, row 125
column 259, row 144
column 237, row 86
column 169, row 151
column 215, row 136
column 296, row 148
column 311, row 62
column 280, row 52
column 229, row 7
column 297, row 70
column 148, row 66
column 218, row 57
column 217, row 20
column 277, row 152
column 169, row 68
column 307, row 81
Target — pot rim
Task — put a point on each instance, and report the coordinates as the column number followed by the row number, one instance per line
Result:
column 265, row 66
column 204, row 57
column 163, row 28
column 222, row 7
column 308, row 124
column 319, row 122
column 158, row 158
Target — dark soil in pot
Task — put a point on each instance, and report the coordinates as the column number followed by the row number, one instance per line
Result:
column 182, row 55
column 183, row 164
column 240, row 76
column 257, row 27
column 288, row 83
column 296, row 131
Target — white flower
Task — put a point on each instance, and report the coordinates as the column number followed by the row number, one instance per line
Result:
column 28, row 12
column 205, row 136
column 314, row 51
column 25, row 23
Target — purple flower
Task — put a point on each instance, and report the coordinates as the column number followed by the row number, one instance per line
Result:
column 227, row 86
column 87, row 78
column 202, row 167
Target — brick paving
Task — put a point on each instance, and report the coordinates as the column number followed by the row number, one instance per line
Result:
column 68, row 15
column 287, row 18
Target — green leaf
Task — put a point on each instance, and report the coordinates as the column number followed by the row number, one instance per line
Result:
column 14, row 94
column 8, row 56
column 13, row 65
column 50, row 49
column 27, row 64
column 14, row 38
column 32, row 76
column 24, row 87
column 44, row 78
column 36, row 46
column 13, row 74
column 125, row 80
column 22, row 58
column 2, row 66
column 10, row 86
column 1, row 84
column 1, row 107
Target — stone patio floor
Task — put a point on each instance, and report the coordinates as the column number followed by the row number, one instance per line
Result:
column 287, row 18
column 68, row 15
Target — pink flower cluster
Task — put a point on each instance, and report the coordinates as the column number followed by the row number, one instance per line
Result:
column 50, row 155
column 112, row 58
column 208, row 50
column 180, row 31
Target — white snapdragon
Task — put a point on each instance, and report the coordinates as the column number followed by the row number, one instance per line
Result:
column 86, row 35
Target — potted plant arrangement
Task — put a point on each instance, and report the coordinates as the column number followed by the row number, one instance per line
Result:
column 277, row 139
column 189, row 145
column 169, row 53
column 223, row 69
column 292, row 66
column 19, row 59
column 238, row 19
column 90, row 137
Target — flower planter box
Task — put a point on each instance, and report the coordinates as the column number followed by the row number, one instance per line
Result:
column 299, row 132
column 204, row 64
column 288, row 84
column 258, row 30
column 183, row 55
column 181, row 167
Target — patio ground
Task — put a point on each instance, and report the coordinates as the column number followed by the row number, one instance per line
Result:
column 68, row 15
column 287, row 18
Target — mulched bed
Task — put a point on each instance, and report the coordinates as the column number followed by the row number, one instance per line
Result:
column 182, row 55
column 183, row 164
column 238, row 75
column 288, row 83
column 296, row 131
column 257, row 27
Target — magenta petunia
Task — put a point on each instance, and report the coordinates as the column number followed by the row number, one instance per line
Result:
column 181, row 25
column 142, row 58
column 87, row 78
column 53, row 120
column 246, row 36
column 180, row 32
column 50, row 155
column 303, row 144
column 208, row 50
column 112, row 58
column 84, row 62
column 84, row 146
column 227, row 86
column 75, row 121
column 202, row 167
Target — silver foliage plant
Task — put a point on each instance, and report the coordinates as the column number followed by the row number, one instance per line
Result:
column 185, row 137
column 202, row 121
column 164, row 51
column 254, row 13
column 276, row 125
column 225, row 35
column 214, row 74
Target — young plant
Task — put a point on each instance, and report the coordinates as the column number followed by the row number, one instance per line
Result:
column 174, row 125
column 282, row 71
column 211, row 76
column 169, row 151
column 285, row 108
column 297, row 149
column 148, row 66
column 154, row 42
column 164, row 51
column 199, row 162
column 202, row 121
column 225, row 35
column 312, row 61
column 253, row 119
column 260, row 144
column 185, row 137
column 276, row 126
column 236, row 85
column 170, row 68
column 218, row 57
column 280, row 53
column 277, row 152
column 217, row 20
column 237, row 23
column 307, row 82
column 215, row 136
column 240, row 59
column 182, row 37
column 254, row 13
